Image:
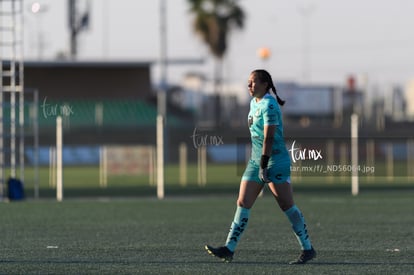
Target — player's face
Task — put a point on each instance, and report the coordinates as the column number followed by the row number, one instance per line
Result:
column 256, row 88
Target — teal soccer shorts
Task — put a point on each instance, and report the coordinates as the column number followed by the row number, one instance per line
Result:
column 278, row 172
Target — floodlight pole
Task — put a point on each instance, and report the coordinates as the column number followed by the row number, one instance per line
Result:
column 76, row 25
column 72, row 27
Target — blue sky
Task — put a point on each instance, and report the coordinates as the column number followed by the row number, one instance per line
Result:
column 372, row 39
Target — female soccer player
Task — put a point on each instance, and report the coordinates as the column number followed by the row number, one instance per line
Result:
column 269, row 163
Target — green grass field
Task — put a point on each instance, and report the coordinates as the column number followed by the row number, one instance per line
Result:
column 124, row 229
column 368, row 234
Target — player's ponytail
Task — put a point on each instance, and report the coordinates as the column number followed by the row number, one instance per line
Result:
column 264, row 76
column 279, row 100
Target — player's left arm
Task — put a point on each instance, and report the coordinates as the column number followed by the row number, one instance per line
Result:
column 269, row 134
column 270, row 117
column 269, row 131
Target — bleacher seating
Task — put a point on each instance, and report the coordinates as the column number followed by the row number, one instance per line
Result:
column 86, row 113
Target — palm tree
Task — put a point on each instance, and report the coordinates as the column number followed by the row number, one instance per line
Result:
column 213, row 21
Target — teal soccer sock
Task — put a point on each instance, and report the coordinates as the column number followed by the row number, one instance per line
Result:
column 241, row 218
column 299, row 227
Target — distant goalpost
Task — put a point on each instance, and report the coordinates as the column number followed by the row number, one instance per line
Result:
column 114, row 160
column 126, row 160
column 354, row 155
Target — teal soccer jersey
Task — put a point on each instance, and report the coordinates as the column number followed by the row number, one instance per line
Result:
column 267, row 112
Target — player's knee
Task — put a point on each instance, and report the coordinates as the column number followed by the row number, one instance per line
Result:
column 285, row 205
column 243, row 203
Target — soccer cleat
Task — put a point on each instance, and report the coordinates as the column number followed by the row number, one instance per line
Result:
column 220, row 252
column 306, row 255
